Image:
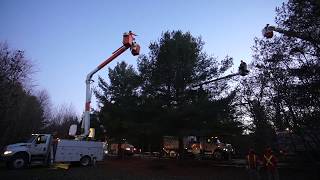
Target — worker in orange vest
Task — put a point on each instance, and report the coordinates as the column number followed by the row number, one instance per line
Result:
column 270, row 162
column 253, row 165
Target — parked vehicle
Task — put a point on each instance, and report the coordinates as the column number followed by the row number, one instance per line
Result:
column 126, row 148
column 42, row 149
column 170, row 146
column 290, row 144
column 198, row 147
column 212, row 147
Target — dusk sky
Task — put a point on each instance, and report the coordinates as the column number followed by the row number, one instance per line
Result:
column 66, row 39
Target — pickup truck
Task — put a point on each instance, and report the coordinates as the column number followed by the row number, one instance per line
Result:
column 43, row 149
column 126, row 148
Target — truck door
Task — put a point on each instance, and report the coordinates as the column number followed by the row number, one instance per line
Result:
column 40, row 146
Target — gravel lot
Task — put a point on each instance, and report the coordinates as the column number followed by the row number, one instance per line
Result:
column 136, row 168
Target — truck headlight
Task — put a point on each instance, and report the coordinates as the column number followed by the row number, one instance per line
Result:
column 7, row 152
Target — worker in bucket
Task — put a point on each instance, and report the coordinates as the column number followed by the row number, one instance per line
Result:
column 270, row 162
column 243, row 69
column 253, row 165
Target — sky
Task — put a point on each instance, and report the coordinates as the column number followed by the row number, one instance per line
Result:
column 66, row 39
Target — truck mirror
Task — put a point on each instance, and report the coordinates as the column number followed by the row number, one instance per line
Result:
column 73, row 130
column 92, row 132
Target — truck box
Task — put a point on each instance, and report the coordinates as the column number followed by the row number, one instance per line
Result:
column 73, row 150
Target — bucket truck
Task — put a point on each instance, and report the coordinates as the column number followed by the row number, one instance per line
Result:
column 44, row 149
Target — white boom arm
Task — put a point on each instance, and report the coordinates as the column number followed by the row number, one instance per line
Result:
column 128, row 42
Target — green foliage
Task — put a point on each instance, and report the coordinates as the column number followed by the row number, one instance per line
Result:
column 286, row 75
column 160, row 101
column 174, row 63
column 120, row 100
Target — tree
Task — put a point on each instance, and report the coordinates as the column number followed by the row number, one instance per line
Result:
column 119, row 101
column 46, row 105
column 20, row 111
column 174, row 64
column 159, row 100
column 62, row 117
column 124, row 82
column 285, row 74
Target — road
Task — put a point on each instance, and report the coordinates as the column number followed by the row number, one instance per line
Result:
column 137, row 168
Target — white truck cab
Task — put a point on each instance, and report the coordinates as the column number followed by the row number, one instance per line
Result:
column 43, row 149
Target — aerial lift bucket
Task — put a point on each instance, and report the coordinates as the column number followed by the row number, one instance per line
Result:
column 127, row 39
column 135, row 49
column 267, row 32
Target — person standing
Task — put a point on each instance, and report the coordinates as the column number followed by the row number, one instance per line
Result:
column 252, row 165
column 270, row 162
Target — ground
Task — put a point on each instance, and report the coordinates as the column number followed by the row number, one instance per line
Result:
column 139, row 168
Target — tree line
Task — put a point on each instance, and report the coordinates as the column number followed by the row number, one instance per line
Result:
column 24, row 110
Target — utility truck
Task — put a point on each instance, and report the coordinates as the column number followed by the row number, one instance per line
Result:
column 197, row 147
column 44, row 149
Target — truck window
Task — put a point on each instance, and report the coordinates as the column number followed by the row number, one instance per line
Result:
column 217, row 141
column 41, row 139
column 30, row 140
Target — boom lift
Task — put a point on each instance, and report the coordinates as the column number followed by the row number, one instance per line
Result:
column 267, row 32
column 128, row 42
column 242, row 70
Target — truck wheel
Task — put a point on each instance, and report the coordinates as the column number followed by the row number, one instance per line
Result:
column 18, row 162
column 85, row 161
column 217, row 155
column 173, row 154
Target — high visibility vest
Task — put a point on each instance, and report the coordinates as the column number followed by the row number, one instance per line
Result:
column 268, row 161
column 252, row 164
